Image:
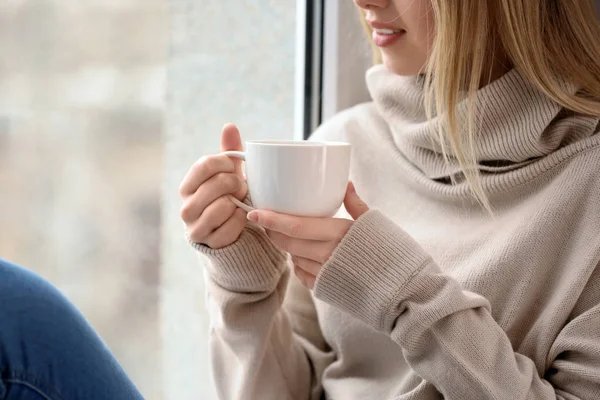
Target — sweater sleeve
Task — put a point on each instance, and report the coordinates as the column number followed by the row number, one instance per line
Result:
column 448, row 335
column 258, row 350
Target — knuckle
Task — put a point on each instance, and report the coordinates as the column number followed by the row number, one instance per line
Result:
column 186, row 211
column 182, row 191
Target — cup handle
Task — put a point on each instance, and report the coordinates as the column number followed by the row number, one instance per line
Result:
column 242, row 156
column 241, row 205
column 235, row 154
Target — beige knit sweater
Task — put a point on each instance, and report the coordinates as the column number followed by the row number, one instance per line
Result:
column 428, row 297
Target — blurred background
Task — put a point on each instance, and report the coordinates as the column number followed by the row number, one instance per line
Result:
column 104, row 105
column 82, row 99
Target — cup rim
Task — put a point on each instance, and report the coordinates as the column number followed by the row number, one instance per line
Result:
column 297, row 143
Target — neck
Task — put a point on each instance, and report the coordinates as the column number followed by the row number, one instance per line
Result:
column 494, row 70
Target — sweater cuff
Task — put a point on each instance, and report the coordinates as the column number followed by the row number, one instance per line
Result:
column 250, row 264
column 368, row 270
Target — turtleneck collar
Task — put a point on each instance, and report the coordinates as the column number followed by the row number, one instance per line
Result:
column 515, row 123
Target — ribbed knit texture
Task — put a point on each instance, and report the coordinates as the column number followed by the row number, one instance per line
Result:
column 371, row 291
column 251, row 263
column 502, row 143
column 428, row 296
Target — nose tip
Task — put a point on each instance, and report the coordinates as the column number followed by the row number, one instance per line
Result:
column 362, row 3
column 369, row 4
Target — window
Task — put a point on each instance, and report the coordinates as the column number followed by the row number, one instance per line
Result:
column 227, row 64
column 104, row 105
column 82, row 106
column 335, row 58
column 309, row 87
column 346, row 57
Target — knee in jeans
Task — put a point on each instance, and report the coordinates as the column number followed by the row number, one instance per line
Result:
column 26, row 298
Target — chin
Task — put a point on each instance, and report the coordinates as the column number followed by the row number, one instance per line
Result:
column 402, row 67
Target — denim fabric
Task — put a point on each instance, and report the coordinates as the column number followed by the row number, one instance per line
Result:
column 47, row 348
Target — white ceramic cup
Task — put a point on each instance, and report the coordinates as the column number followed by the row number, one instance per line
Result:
column 296, row 177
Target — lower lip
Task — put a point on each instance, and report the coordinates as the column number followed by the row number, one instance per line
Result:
column 382, row 40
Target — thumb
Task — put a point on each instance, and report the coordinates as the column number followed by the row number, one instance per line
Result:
column 354, row 204
column 231, row 140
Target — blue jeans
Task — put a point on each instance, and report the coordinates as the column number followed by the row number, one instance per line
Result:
column 48, row 350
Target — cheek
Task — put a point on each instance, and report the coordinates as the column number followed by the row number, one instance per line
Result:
column 409, row 55
column 408, row 58
column 416, row 15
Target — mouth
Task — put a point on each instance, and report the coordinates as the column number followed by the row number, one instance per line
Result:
column 388, row 31
column 387, row 37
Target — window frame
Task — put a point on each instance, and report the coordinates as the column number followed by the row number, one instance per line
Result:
column 329, row 34
column 309, row 67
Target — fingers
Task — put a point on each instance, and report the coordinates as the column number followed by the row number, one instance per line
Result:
column 229, row 232
column 307, row 279
column 210, row 215
column 311, row 249
column 216, row 187
column 310, row 266
column 215, row 215
column 207, row 167
column 301, row 227
column 354, row 204
column 231, row 140
column 203, row 170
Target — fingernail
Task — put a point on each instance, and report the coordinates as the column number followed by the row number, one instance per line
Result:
column 252, row 216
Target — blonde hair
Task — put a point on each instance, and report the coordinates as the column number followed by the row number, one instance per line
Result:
column 547, row 41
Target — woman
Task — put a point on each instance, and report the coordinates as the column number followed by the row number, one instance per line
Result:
column 475, row 272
